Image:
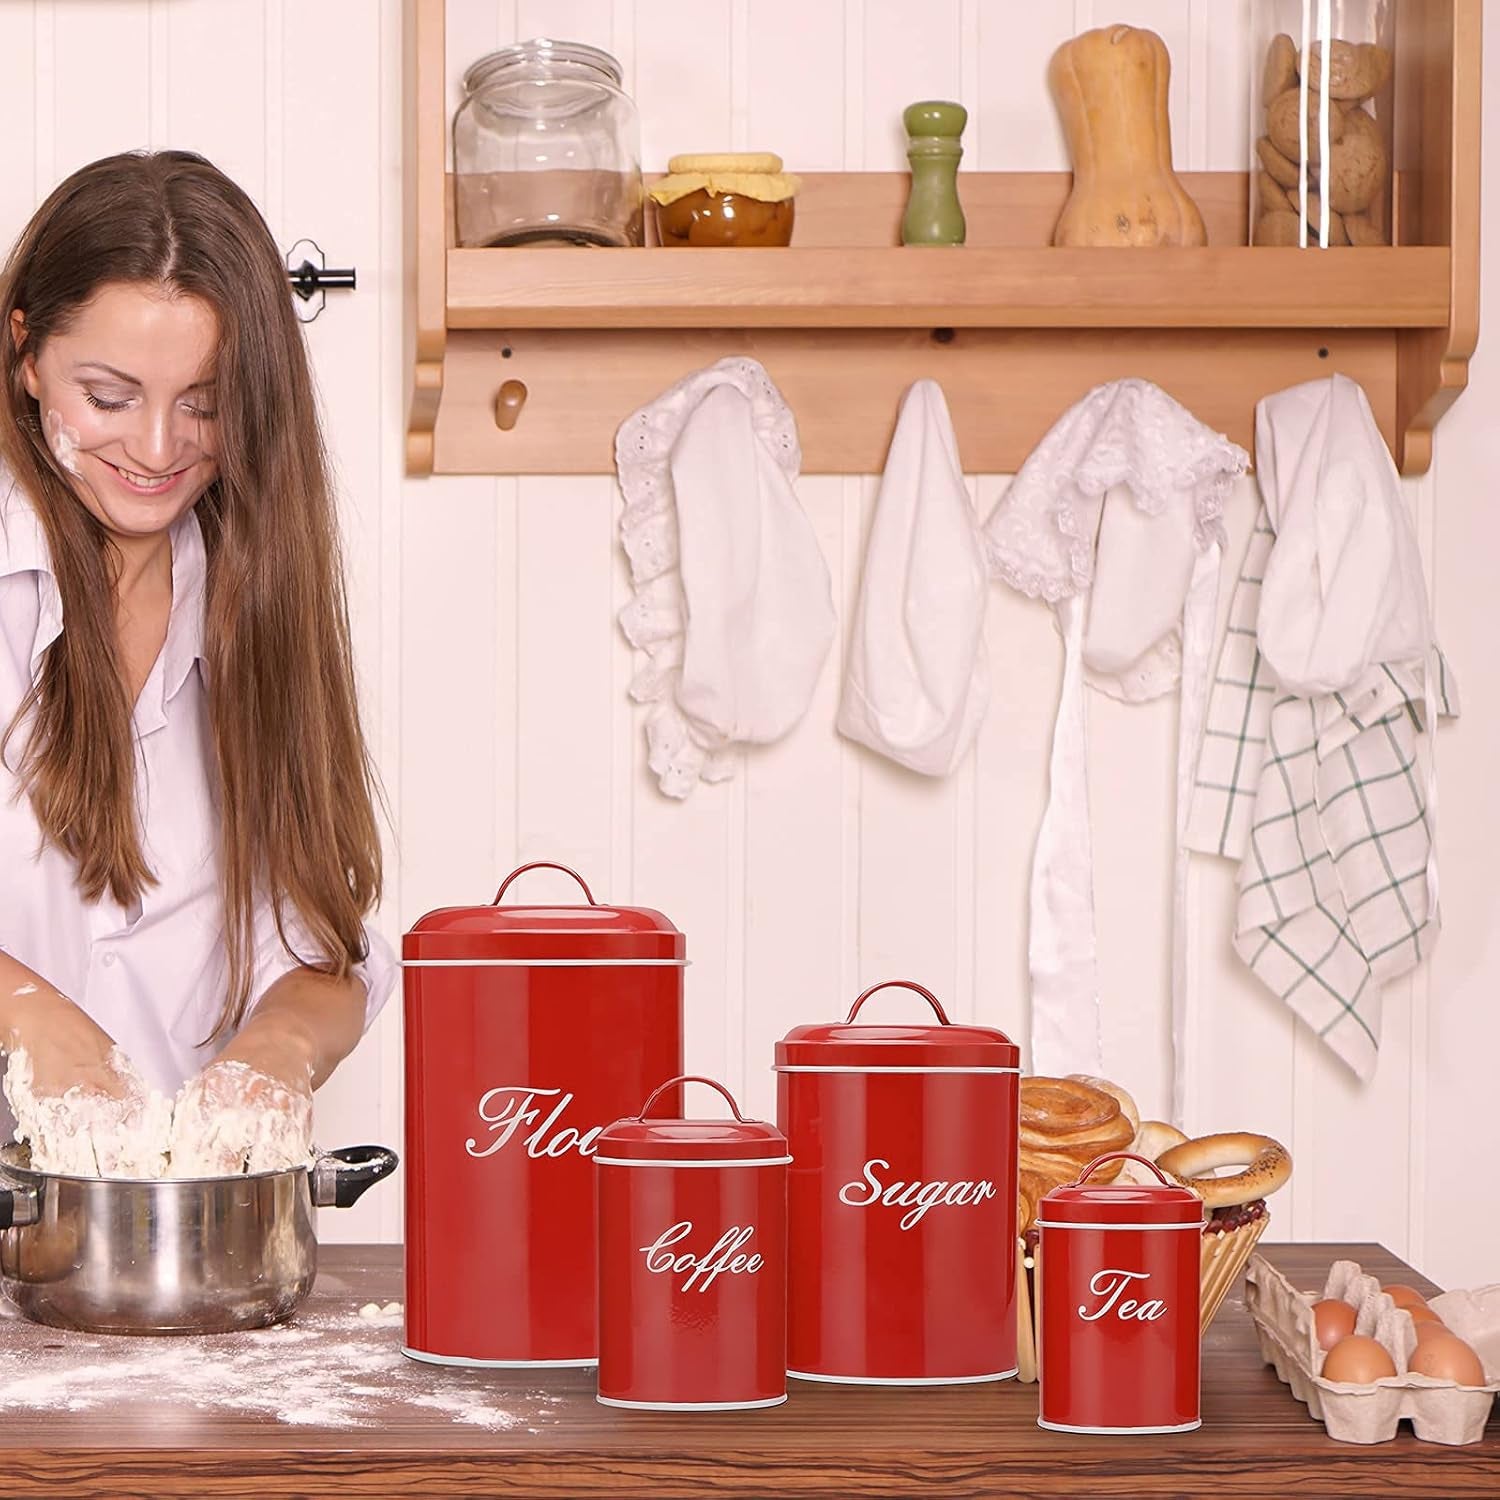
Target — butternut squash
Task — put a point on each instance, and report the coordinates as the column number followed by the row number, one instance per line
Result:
column 1111, row 91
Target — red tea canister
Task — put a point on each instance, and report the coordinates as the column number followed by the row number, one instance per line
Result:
column 901, row 1199
column 528, row 1030
column 692, row 1261
column 1119, row 1304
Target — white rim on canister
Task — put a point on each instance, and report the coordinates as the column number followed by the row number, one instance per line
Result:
column 460, row 1361
column 1059, row 1224
column 1116, row 1431
column 901, row 1380
column 646, row 1161
column 879, row 1068
column 689, row 1405
column 545, row 963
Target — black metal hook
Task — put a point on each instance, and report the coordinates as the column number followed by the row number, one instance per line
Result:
column 310, row 277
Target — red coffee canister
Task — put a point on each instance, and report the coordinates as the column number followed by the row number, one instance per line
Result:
column 528, row 1029
column 1119, row 1304
column 692, row 1261
column 901, row 1199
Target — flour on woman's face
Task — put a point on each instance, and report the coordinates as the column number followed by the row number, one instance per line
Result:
column 63, row 441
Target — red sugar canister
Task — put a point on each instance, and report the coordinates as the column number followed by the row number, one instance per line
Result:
column 901, row 1199
column 692, row 1261
column 1119, row 1305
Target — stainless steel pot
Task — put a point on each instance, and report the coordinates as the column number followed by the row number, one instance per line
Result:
column 191, row 1255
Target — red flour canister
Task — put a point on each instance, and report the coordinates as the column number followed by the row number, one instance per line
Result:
column 901, row 1199
column 1119, row 1305
column 692, row 1261
column 528, row 1030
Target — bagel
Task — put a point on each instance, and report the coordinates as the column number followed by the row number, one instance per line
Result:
column 1154, row 1137
column 1267, row 1166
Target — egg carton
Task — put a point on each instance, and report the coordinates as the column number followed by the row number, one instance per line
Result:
column 1439, row 1410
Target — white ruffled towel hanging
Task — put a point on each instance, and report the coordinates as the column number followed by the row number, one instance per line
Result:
column 916, row 681
column 1310, row 774
column 733, row 601
column 1114, row 520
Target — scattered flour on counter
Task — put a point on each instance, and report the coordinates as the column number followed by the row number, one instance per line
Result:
column 374, row 1310
column 327, row 1368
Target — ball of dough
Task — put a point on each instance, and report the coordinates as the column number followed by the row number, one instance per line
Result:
column 1337, row 235
column 1363, row 230
column 1269, row 193
column 1355, row 69
column 1281, row 68
column 1281, row 169
column 1282, row 125
column 1358, row 165
column 1279, row 227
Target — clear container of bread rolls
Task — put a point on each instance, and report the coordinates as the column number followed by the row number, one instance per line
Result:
column 1321, row 105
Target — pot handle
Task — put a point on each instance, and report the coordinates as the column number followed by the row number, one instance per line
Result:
column 18, row 1207
column 339, row 1178
column 542, row 864
column 902, row 984
column 690, row 1078
column 1145, row 1161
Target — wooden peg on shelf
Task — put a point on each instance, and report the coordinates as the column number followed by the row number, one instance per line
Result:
column 508, row 404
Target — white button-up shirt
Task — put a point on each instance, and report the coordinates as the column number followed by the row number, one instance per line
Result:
column 153, row 975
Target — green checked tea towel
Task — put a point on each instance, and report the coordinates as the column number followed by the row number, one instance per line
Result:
column 1316, row 788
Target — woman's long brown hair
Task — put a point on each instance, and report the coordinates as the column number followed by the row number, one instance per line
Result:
column 296, row 791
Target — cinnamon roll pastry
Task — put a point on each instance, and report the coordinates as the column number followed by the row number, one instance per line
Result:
column 1065, row 1124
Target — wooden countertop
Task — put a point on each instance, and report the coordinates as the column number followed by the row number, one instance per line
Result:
column 420, row 1431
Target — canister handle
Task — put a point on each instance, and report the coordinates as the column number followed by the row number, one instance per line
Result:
column 901, row 984
column 672, row 1083
column 542, row 864
column 1145, row 1161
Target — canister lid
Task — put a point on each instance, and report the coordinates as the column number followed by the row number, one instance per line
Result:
column 588, row 933
column 1120, row 1204
column 642, row 1139
column 864, row 1047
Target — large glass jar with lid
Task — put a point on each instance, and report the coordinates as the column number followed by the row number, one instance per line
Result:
column 546, row 149
column 1322, row 105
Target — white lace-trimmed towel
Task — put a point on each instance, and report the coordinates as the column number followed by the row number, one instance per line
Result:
column 1309, row 773
column 916, row 683
column 1114, row 520
column 733, row 601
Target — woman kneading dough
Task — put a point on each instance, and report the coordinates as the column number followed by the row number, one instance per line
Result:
column 188, row 841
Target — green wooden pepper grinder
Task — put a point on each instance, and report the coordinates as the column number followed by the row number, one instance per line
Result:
column 933, row 213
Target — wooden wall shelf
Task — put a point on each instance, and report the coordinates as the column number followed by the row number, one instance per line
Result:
column 1014, row 329
column 866, row 287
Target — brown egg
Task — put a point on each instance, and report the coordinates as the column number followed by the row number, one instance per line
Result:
column 1424, row 1314
column 1358, row 1361
column 1404, row 1296
column 1430, row 1328
column 1333, row 1320
column 1447, row 1358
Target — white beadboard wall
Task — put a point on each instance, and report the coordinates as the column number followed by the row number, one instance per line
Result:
column 494, row 677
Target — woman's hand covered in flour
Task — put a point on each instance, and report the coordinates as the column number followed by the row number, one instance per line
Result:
column 249, row 1111
column 66, row 1047
column 79, row 1102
